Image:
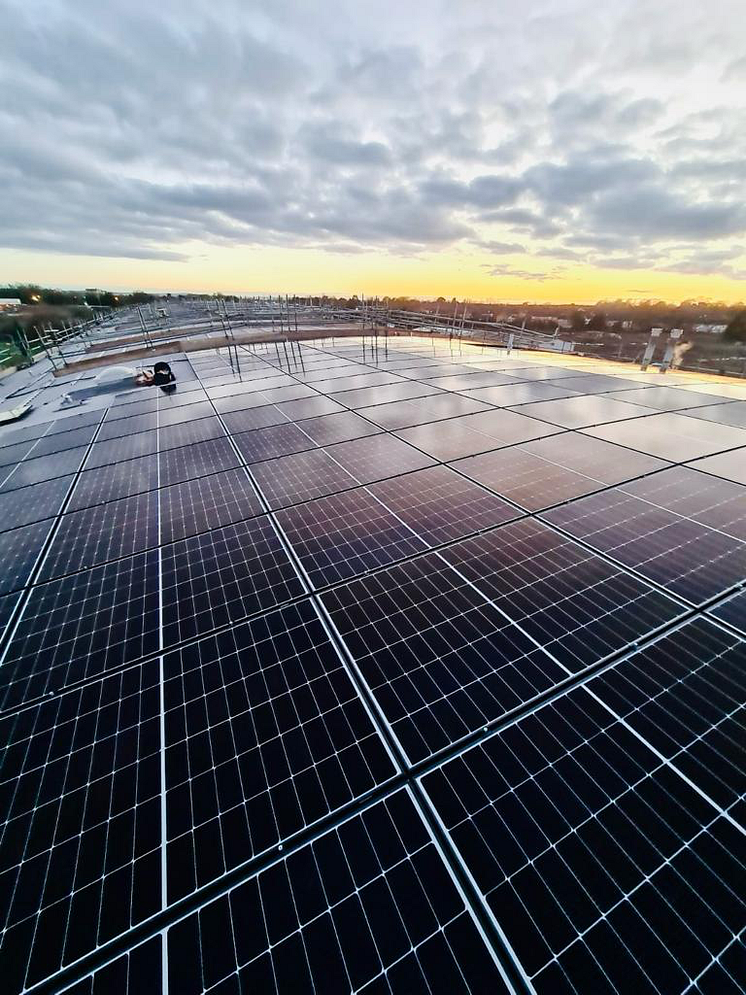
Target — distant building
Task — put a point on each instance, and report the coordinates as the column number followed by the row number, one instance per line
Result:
column 9, row 303
column 710, row 329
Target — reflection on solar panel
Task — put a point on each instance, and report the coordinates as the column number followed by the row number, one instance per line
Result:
column 289, row 705
column 690, row 559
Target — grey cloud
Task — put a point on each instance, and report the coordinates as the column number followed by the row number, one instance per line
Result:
column 132, row 130
column 655, row 213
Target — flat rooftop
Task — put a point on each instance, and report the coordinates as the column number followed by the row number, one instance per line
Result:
column 379, row 664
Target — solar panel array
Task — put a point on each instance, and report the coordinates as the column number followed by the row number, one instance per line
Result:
column 380, row 665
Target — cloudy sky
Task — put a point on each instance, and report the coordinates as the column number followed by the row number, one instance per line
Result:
column 495, row 149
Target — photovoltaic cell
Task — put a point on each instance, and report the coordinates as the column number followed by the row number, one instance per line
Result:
column 19, row 550
column 137, row 971
column 342, row 427
column 36, row 471
column 377, row 457
column 78, row 627
column 345, row 534
column 575, row 604
column 606, row 871
column 188, row 462
column 80, row 801
column 33, row 504
column 294, row 479
column 265, row 735
column 439, row 658
column 690, row 559
column 367, row 907
column 440, row 505
column 206, row 503
column 275, row 440
column 733, row 610
column 105, row 532
column 220, row 577
column 686, row 695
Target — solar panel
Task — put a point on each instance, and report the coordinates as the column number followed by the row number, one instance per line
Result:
column 605, row 869
column 575, row 604
column 188, row 433
column 440, row 505
column 732, row 610
column 133, row 972
column 690, row 559
column 709, row 500
column 733, row 413
column 343, row 427
column 686, row 695
column 301, row 477
column 187, row 462
column 546, row 472
column 729, row 466
column 275, row 440
column 78, row 627
column 673, row 437
column 36, row 471
column 119, row 428
column 420, row 411
column 369, row 906
column 583, row 411
column 377, row 457
column 205, row 503
column 118, row 450
column 345, row 534
column 222, row 576
column 117, row 480
column 365, row 396
column 105, row 532
column 396, row 734
column 81, row 822
column 34, row 503
column 440, row 660
column 265, row 735
column 19, row 550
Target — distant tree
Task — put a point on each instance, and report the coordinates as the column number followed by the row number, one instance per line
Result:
column 736, row 330
column 597, row 322
column 578, row 320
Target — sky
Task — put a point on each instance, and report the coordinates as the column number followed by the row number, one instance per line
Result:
column 542, row 150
